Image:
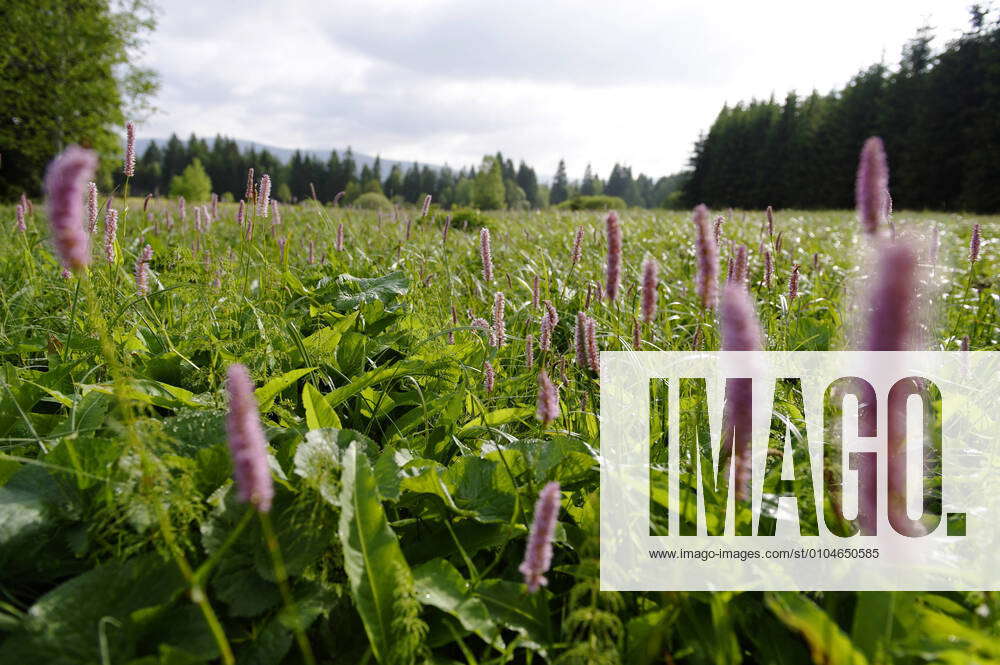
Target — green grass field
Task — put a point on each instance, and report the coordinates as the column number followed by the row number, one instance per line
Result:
column 403, row 488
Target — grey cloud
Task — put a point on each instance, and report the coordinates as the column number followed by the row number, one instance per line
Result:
column 560, row 41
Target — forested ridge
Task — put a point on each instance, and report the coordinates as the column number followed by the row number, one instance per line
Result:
column 515, row 187
column 938, row 113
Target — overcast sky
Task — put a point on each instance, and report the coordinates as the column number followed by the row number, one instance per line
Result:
column 450, row 80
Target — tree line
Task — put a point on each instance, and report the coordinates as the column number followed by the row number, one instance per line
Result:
column 495, row 183
column 937, row 113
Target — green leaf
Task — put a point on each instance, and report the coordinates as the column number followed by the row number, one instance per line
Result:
column 322, row 345
column 90, row 458
column 375, row 376
column 872, row 625
column 389, row 472
column 269, row 391
column 438, row 583
column 351, row 352
column 565, row 459
column 86, row 417
column 827, row 642
column 372, row 558
column 319, row 414
column 497, row 417
column 20, row 396
column 269, row 645
column 511, row 605
column 242, row 589
column 27, row 516
column 154, row 393
column 346, row 293
column 647, row 635
column 63, row 626
column 196, row 429
column 483, row 487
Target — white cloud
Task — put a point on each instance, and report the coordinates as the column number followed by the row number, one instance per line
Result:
column 451, row 80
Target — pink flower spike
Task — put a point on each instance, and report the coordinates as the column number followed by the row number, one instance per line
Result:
column 548, row 400
column 577, row 246
column 892, row 316
column 871, row 185
column 614, row 265
column 499, row 327
column 538, row 554
column 486, row 253
column 740, row 328
column 142, row 271
column 110, row 230
column 64, row 182
column 264, row 196
column 91, row 207
column 489, row 376
column 650, row 272
column 129, row 149
column 247, row 444
column 707, row 255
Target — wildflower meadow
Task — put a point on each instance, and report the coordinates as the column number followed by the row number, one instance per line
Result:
column 263, row 432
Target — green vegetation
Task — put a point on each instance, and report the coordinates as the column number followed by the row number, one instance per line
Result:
column 193, row 184
column 373, row 201
column 593, row 203
column 403, row 487
column 67, row 75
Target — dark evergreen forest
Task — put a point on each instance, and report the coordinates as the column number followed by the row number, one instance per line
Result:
column 938, row 113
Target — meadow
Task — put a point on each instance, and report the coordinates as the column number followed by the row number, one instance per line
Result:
column 405, row 440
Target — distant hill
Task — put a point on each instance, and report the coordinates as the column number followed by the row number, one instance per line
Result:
column 285, row 154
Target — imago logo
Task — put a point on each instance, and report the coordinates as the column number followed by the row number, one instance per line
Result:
column 799, row 470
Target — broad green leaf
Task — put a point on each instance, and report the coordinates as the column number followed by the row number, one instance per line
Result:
column 430, row 539
column 438, row 583
column 562, row 458
column 483, row 487
column 265, row 394
column 497, row 417
column 376, row 376
column 294, row 284
column 17, row 396
column 86, row 460
column 356, row 385
column 63, row 626
column 389, row 472
column 511, row 606
column 269, row 645
column 154, row 393
column 238, row 584
column 647, row 635
column 872, row 626
column 319, row 414
column 28, row 505
column 428, row 478
column 322, row 345
column 351, row 352
column 372, row 558
column 347, row 293
column 53, row 393
column 827, row 642
column 86, row 417
column 196, row 429
column 181, row 633
column 442, row 411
